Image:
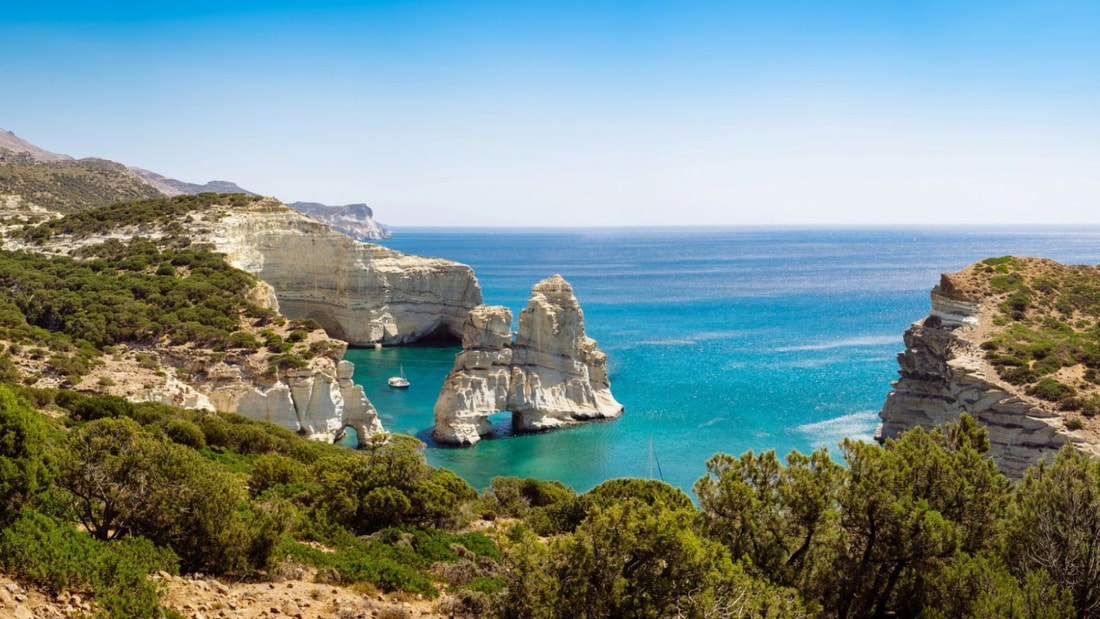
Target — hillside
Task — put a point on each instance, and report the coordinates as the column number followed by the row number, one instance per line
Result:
column 173, row 187
column 65, row 186
column 37, row 184
column 65, row 318
column 1040, row 328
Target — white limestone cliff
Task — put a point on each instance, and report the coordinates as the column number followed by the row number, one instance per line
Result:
column 552, row 375
column 359, row 292
column 943, row 373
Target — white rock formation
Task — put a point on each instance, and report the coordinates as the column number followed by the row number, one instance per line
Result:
column 359, row 292
column 552, row 375
column 317, row 402
column 943, row 374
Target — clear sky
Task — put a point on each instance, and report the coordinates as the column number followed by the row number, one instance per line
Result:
column 583, row 113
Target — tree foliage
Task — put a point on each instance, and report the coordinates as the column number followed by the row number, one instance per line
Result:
column 1056, row 529
column 124, row 481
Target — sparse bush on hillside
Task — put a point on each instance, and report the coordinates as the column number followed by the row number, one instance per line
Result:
column 144, row 213
column 80, row 308
column 1048, row 317
column 67, row 186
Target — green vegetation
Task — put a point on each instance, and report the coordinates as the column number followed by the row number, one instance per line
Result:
column 104, row 491
column 922, row 526
column 123, row 293
column 164, row 214
column 1049, row 340
column 67, row 186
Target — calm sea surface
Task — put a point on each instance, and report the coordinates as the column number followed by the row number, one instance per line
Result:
column 719, row 339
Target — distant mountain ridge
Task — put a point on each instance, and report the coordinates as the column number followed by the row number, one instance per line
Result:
column 172, row 187
column 35, row 179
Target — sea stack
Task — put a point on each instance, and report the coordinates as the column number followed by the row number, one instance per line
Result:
column 552, row 375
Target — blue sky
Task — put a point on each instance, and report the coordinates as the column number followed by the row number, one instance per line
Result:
column 583, row 113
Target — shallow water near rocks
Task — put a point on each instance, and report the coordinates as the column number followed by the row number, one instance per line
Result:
column 719, row 339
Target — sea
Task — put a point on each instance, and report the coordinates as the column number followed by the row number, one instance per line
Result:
column 719, row 340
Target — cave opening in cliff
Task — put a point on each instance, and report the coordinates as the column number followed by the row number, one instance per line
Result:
column 440, row 337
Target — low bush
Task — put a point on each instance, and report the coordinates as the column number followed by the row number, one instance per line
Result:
column 53, row 555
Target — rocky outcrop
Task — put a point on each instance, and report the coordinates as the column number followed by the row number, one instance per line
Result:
column 551, row 375
column 479, row 382
column 943, row 373
column 317, row 402
column 359, row 292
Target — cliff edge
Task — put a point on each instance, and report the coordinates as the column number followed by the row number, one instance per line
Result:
column 1014, row 342
column 552, row 375
column 359, row 292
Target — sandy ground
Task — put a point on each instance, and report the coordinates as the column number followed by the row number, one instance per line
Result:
column 199, row 598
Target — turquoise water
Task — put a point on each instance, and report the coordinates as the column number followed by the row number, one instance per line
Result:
column 719, row 340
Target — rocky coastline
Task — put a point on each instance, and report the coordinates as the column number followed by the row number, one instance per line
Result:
column 945, row 371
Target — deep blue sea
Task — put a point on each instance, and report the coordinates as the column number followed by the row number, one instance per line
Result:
column 719, row 339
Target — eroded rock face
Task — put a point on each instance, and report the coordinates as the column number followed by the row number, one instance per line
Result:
column 359, row 292
column 316, row 401
column 552, row 375
column 943, row 374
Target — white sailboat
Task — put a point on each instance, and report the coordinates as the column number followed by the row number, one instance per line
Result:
column 399, row 382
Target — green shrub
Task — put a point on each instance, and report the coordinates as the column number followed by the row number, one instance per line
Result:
column 512, row 496
column 243, row 339
column 287, row 361
column 297, row 335
column 489, row 585
column 102, row 406
column 271, row 470
column 215, row 430
column 23, row 467
column 154, row 413
column 56, row 557
column 185, row 433
column 1051, row 390
column 393, row 559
